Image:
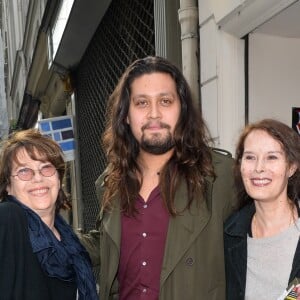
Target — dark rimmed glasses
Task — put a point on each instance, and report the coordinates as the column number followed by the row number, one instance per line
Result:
column 27, row 174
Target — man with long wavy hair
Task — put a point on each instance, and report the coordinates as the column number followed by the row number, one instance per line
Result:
column 164, row 194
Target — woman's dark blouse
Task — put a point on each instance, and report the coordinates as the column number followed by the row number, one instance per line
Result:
column 21, row 276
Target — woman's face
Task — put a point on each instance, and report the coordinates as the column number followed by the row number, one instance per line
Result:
column 264, row 167
column 40, row 192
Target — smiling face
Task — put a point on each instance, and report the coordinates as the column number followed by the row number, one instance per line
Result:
column 39, row 193
column 154, row 111
column 264, row 167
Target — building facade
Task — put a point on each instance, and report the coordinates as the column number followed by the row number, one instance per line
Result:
column 64, row 57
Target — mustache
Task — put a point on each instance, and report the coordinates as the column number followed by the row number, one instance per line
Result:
column 161, row 125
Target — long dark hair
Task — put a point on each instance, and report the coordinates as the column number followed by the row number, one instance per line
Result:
column 290, row 142
column 191, row 159
column 38, row 147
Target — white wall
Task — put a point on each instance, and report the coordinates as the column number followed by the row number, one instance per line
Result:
column 274, row 77
column 222, row 79
column 222, row 25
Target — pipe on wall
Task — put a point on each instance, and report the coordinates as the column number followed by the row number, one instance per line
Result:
column 188, row 19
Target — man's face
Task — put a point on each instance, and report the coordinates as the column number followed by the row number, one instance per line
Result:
column 154, row 111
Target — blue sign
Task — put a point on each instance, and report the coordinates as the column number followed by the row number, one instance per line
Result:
column 60, row 129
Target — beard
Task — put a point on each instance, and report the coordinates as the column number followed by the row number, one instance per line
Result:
column 157, row 144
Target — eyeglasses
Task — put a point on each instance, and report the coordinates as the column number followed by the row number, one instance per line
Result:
column 27, row 174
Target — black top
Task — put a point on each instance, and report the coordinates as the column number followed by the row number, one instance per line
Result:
column 21, row 276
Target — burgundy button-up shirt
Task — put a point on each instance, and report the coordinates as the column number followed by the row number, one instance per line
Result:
column 143, row 240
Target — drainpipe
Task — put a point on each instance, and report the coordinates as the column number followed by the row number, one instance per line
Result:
column 188, row 19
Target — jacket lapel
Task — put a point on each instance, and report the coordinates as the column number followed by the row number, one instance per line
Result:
column 296, row 264
column 112, row 224
column 184, row 228
column 235, row 237
column 237, row 259
column 111, row 221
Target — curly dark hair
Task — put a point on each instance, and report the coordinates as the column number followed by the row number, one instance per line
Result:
column 38, row 147
column 191, row 159
column 290, row 142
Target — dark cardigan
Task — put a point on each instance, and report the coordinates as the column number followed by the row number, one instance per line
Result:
column 235, row 244
column 21, row 276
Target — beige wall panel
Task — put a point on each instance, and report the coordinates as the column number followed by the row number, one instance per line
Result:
column 208, row 51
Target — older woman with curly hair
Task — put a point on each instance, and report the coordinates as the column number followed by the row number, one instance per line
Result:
column 40, row 256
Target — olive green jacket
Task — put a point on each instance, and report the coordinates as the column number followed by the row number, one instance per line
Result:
column 193, row 265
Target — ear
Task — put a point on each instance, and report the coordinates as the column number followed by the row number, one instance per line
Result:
column 293, row 169
column 127, row 120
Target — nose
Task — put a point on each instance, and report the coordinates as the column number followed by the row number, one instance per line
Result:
column 260, row 165
column 154, row 111
column 37, row 176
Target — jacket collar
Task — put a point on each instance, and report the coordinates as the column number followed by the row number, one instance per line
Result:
column 238, row 224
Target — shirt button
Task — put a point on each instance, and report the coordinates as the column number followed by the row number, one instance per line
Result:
column 145, row 205
column 144, row 263
column 144, row 234
column 144, row 290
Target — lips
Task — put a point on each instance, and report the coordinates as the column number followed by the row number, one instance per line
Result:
column 155, row 126
column 39, row 191
column 152, row 126
column 260, row 181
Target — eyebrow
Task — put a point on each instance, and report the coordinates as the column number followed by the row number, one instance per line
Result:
column 159, row 94
column 269, row 152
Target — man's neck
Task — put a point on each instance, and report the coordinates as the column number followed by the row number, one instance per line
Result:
column 151, row 166
column 151, row 163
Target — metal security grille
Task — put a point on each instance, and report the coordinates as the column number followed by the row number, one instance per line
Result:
column 125, row 33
